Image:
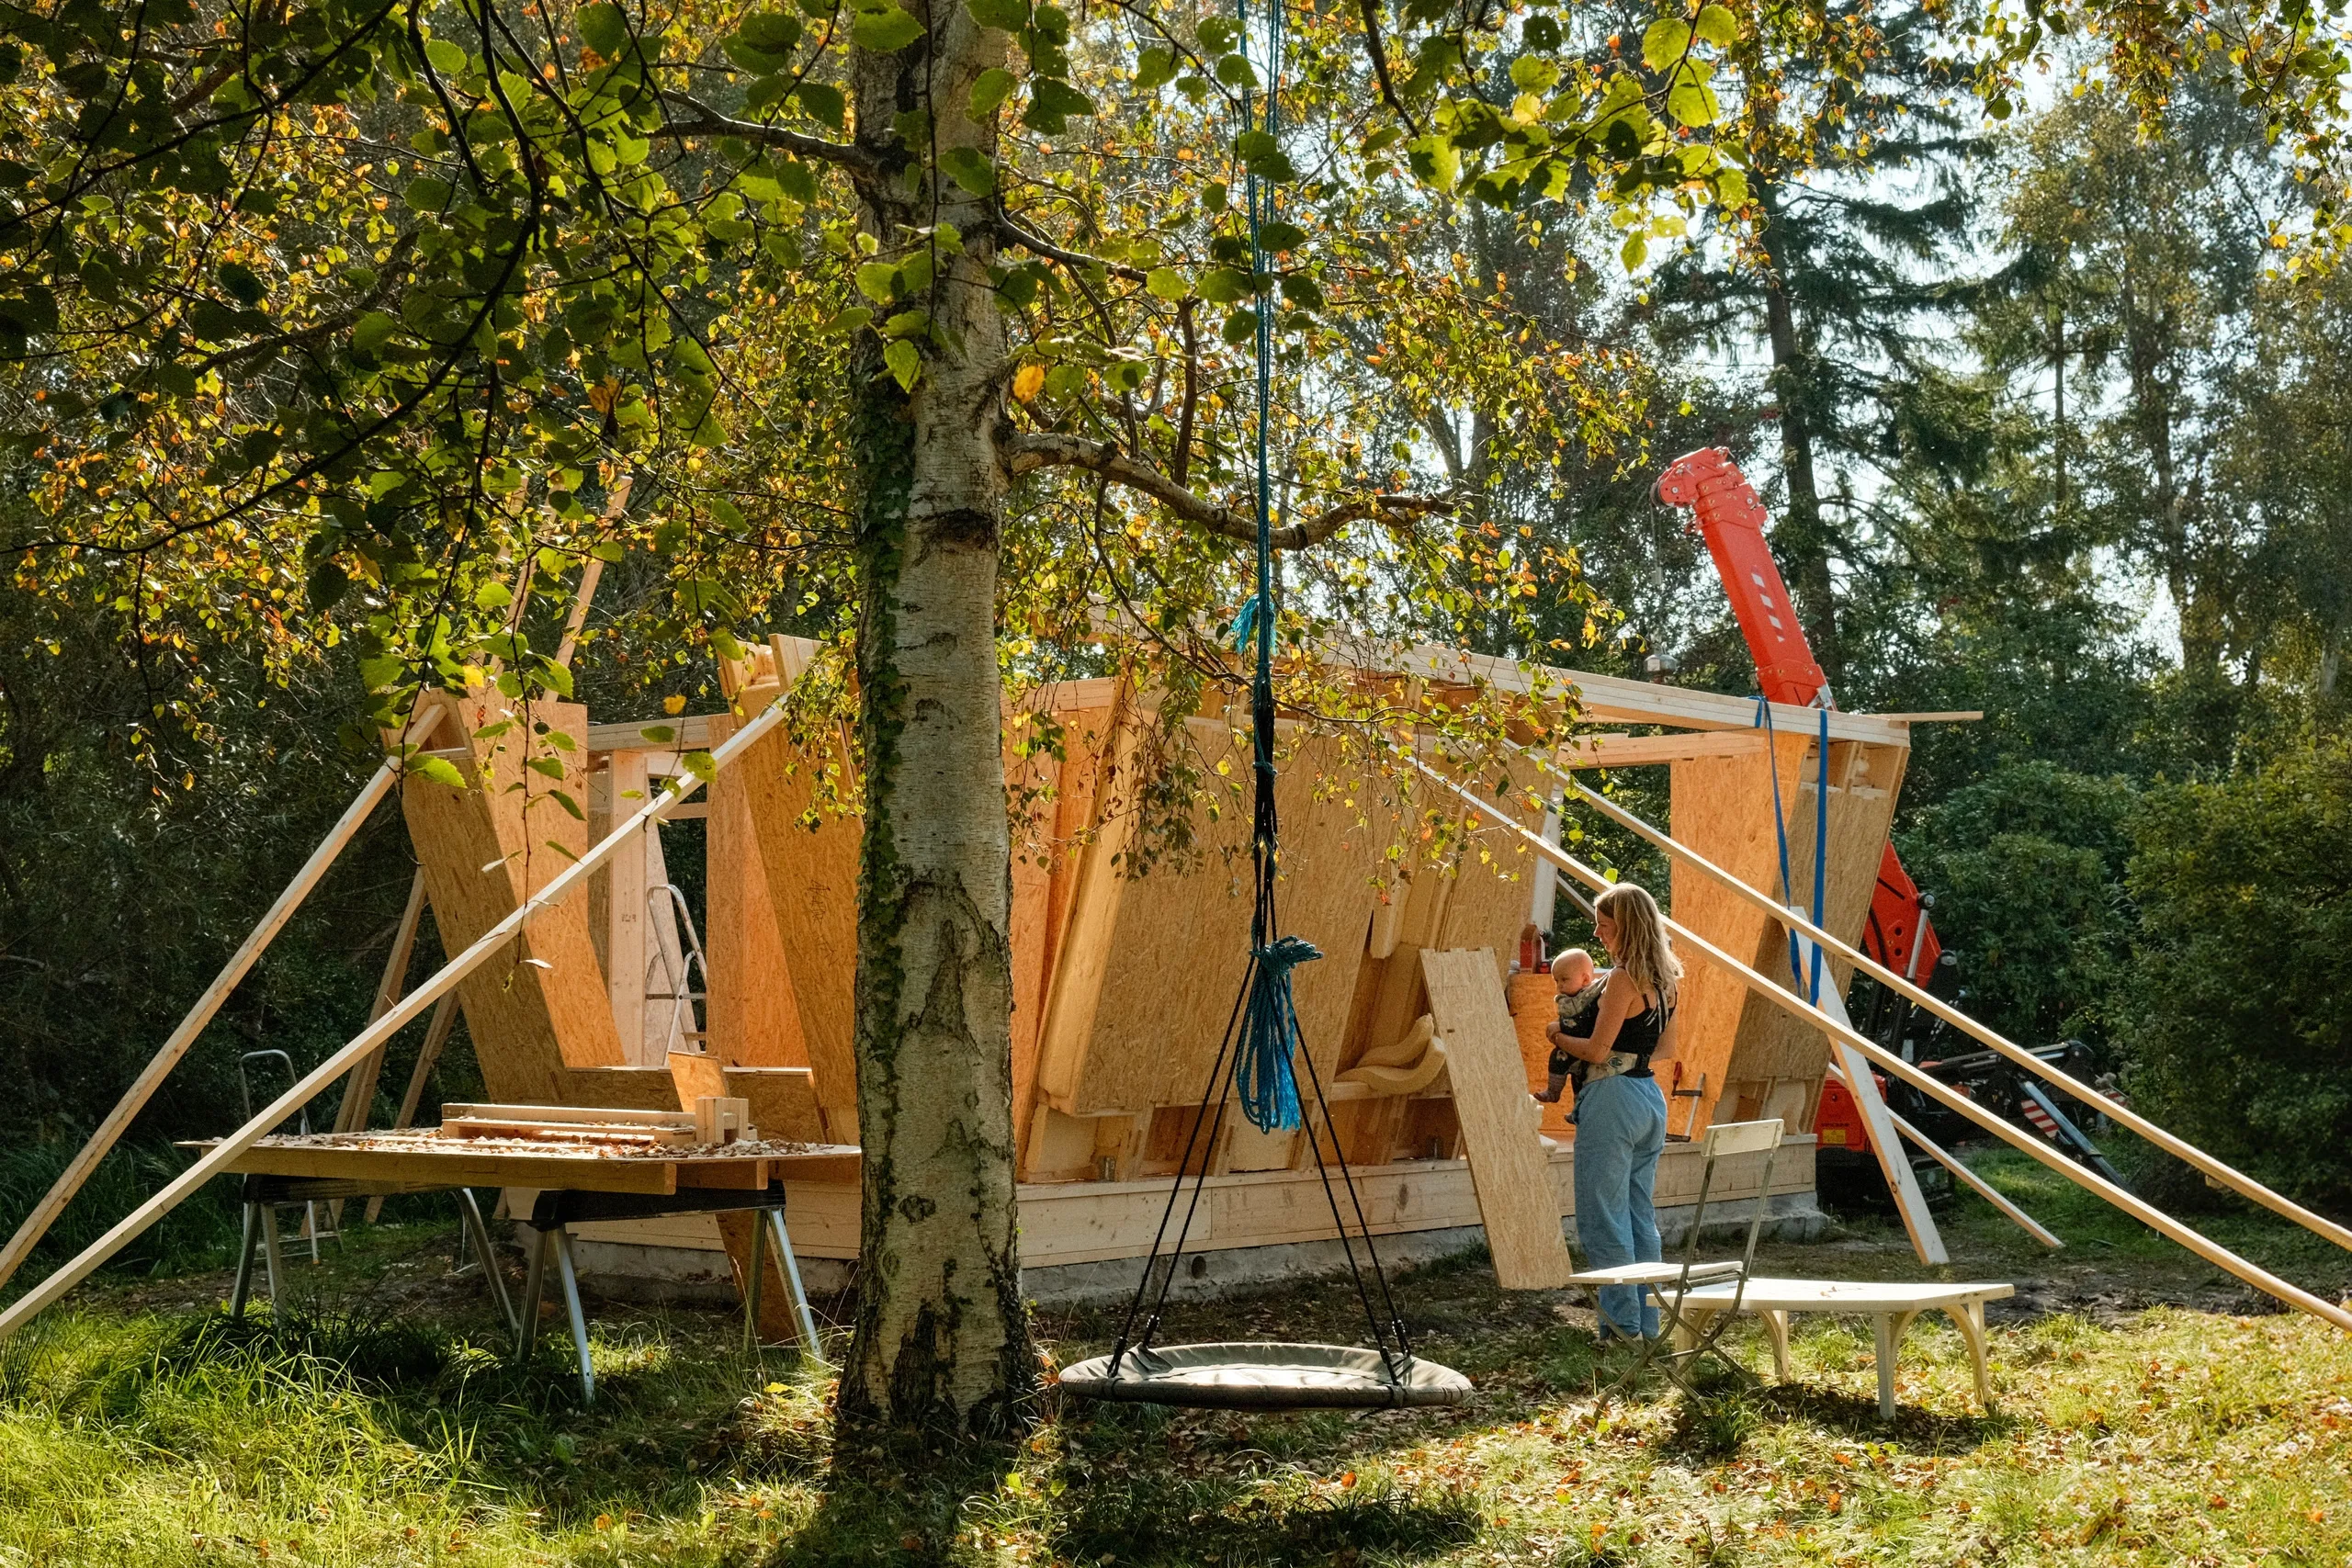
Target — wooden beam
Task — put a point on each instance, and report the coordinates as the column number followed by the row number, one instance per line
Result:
column 1937, row 1089
column 411, row 1007
column 1642, row 750
column 2237, row 1180
column 1974, row 1182
column 1610, row 698
column 134, row 1099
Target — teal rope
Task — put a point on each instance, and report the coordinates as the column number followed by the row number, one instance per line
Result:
column 1797, row 967
column 1263, row 1067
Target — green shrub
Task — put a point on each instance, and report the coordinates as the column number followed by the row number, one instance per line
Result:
column 2026, row 867
column 2241, row 1033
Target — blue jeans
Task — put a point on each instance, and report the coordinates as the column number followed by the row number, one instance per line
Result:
column 1620, row 1130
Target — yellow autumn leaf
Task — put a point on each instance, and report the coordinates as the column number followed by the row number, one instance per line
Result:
column 1027, row 382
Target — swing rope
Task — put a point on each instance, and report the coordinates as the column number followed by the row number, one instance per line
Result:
column 1261, row 1041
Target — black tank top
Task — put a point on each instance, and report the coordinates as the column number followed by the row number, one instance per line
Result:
column 1638, row 1036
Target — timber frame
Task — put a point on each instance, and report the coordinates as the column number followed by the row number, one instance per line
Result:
column 1122, row 983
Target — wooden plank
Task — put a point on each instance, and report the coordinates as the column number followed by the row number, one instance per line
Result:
column 784, row 1101
column 458, row 1168
column 1507, row 1163
column 627, row 951
column 1534, row 1008
column 1644, row 751
column 585, row 1114
column 688, row 732
column 159, row 1067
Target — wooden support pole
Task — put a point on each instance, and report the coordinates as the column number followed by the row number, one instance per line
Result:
column 1973, row 1182
column 134, row 1099
column 2000, row 1127
column 2230, row 1176
column 615, row 502
column 217, row 1159
column 1893, row 1163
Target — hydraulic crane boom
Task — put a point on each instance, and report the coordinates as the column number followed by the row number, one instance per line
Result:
column 1732, row 520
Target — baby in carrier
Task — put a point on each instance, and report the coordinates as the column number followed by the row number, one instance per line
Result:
column 1579, row 985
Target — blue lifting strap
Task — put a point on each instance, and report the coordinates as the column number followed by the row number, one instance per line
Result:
column 1807, row 976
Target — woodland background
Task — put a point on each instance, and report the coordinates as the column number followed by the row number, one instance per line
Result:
column 2048, row 430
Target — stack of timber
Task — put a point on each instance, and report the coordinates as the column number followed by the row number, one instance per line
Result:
column 1124, row 976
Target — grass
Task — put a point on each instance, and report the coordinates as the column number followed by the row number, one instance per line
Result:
column 2147, row 1415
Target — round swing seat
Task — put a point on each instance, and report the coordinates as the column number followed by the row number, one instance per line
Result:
column 1238, row 1376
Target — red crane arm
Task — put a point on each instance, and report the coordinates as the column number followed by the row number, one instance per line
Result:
column 1732, row 520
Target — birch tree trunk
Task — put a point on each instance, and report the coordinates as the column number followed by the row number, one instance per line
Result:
column 941, row 1338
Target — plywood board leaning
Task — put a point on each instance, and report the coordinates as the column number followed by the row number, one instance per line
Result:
column 1507, row 1160
column 752, row 1016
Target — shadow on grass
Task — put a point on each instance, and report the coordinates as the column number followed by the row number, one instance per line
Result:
column 1721, row 1425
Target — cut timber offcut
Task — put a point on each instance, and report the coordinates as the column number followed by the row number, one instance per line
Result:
column 1508, row 1167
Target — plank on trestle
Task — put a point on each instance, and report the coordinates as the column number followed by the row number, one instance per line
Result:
column 1508, row 1165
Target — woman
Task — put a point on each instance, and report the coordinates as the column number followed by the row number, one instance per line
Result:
column 1619, row 1111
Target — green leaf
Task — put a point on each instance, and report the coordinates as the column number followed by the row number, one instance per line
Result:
column 605, row 28
column 1663, row 44
column 373, row 331
column 1692, row 101
column 1224, row 286
column 1717, row 26
column 1262, row 156
column 561, row 798
column 905, row 361
column 1278, row 235
column 1529, row 74
column 440, row 769
column 879, row 281
column 849, row 321
column 1303, row 292
column 799, row 181
column 995, row 84
column 885, row 31
column 970, row 168
column 660, row 734
column 1636, row 250
column 1435, row 160
column 1155, row 68
column 699, row 762
column 1165, row 283
column 770, row 32
column 444, row 57
column 820, row 102
column 758, row 61
column 327, row 584
column 1051, row 102
column 427, row 194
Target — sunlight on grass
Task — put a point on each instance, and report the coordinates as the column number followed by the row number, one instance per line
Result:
column 2167, row 1436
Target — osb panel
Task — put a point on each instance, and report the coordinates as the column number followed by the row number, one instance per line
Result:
column 752, row 1015
column 1722, row 808
column 1171, row 947
column 530, row 1021
column 812, row 894
column 1507, row 1163
column 1053, row 803
column 1775, row 1044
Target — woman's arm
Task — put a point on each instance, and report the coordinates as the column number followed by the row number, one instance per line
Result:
column 1616, row 1006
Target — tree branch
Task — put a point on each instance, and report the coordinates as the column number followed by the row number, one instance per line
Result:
column 708, row 121
column 1010, row 231
column 1027, row 452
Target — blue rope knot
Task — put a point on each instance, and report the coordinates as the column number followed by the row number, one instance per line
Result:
column 1263, row 1073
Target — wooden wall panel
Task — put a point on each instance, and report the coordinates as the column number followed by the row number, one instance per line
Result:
column 1722, row 807
column 812, row 894
column 755, row 1019
column 484, row 850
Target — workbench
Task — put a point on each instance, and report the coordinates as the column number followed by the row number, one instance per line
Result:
column 575, row 1184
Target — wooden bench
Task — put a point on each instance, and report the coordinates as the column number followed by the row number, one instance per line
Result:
column 1891, row 1307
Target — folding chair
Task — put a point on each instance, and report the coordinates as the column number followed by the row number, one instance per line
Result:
column 1672, row 1284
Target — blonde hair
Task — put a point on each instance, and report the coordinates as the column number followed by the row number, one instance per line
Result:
column 1643, row 954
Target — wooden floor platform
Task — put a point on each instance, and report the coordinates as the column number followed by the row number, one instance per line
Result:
column 1088, row 1222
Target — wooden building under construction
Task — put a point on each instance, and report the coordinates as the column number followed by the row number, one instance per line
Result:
column 1124, row 982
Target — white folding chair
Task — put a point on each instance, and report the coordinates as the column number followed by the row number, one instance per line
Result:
column 1672, row 1284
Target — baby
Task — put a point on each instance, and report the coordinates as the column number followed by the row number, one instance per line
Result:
column 1579, row 984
